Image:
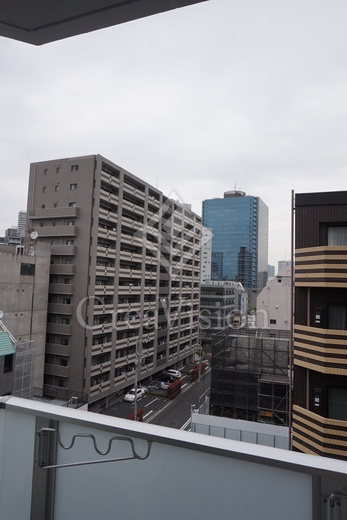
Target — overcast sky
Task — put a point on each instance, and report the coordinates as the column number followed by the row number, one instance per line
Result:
column 196, row 101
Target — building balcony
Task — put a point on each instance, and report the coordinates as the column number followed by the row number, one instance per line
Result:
column 63, row 269
column 103, row 309
column 102, row 328
column 108, row 215
column 57, row 370
column 61, row 288
column 130, row 273
column 323, row 350
column 60, row 308
column 324, row 266
column 109, row 197
column 134, row 224
column 63, row 250
column 59, row 328
column 129, row 290
column 106, row 252
column 56, row 231
column 135, row 208
column 262, row 481
column 101, row 270
column 101, row 348
column 110, row 179
column 132, row 191
column 100, row 369
column 49, row 213
column 59, row 350
column 102, row 290
column 128, row 255
column 319, row 435
column 107, row 233
column 99, row 389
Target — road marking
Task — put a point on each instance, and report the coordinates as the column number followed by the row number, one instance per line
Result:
column 154, row 400
column 147, row 414
column 185, row 384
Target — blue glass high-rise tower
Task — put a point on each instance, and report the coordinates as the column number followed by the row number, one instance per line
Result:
column 239, row 224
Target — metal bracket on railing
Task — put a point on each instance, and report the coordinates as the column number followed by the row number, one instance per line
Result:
column 48, row 437
column 334, row 499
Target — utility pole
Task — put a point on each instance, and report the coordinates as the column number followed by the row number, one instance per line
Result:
column 138, row 360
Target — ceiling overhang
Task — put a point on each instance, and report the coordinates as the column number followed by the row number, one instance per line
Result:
column 43, row 21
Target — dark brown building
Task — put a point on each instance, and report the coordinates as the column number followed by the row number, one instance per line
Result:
column 320, row 324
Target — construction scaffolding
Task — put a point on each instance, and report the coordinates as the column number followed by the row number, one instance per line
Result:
column 250, row 375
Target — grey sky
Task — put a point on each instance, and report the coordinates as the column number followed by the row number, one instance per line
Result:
column 195, row 100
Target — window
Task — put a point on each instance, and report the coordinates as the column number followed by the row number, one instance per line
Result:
column 52, row 242
column 272, row 322
column 65, row 321
column 55, row 205
column 66, row 281
column 337, row 403
column 337, row 236
column 45, row 171
column 63, row 362
column 8, row 363
column 70, row 242
column 71, row 223
column 44, row 189
column 74, row 168
column 43, row 206
column 73, row 186
column 56, row 187
column 41, row 224
column 57, row 170
column 64, row 341
column 337, row 316
column 72, row 204
column 68, row 261
column 53, row 223
column 27, row 269
column 67, row 301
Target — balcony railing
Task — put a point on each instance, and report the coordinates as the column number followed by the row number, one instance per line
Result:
column 324, row 266
column 324, row 350
column 97, row 462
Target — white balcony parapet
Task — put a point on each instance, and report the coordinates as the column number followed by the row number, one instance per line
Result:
column 249, row 481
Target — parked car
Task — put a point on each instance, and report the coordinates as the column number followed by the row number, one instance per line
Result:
column 130, row 396
column 175, row 373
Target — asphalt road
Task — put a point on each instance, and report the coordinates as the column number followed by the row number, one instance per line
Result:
column 177, row 412
column 163, row 412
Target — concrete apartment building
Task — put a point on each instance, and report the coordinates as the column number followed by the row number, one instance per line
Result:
column 320, row 324
column 274, row 302
column 223, row 305
column 124, row 279
column 206, row 255
column 24, row 281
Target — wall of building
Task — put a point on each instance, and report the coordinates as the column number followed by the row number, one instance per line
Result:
column 274, row 302
column 24, row 299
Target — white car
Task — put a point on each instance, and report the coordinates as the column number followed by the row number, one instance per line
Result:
column 130, row 396
column 175, row 373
